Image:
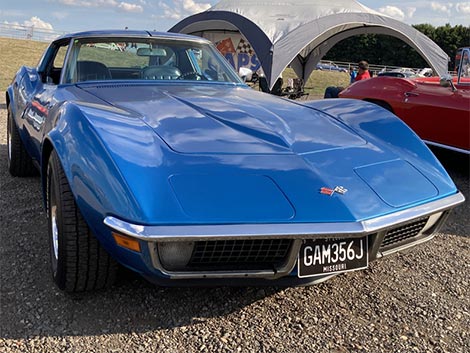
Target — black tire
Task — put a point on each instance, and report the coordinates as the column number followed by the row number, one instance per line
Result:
column 20, row 163
column 78, row 261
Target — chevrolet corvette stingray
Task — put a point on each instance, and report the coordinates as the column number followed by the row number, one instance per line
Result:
column 154, row 155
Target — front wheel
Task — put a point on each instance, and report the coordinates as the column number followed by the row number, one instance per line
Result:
column 78, row 261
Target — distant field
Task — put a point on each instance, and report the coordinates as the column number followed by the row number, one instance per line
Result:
column 319, row 80
column 16, row 52
column 13, row 54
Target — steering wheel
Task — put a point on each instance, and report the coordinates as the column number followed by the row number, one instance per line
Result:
column 192, row 75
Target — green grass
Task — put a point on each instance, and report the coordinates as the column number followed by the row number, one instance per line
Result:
column 319, row 80
column 17, row 52
column 112, row 58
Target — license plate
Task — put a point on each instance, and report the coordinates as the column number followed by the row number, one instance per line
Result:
column 329, row 256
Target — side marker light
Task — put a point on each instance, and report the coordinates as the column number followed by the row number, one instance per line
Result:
column 127, row 242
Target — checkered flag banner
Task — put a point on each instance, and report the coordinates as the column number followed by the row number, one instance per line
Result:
column 225, row 46
column 244, row 47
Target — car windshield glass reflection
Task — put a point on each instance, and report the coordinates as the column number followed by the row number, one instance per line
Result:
column 98, row 59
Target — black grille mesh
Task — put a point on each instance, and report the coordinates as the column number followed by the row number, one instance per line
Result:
column 404, row 232
column 240, row 254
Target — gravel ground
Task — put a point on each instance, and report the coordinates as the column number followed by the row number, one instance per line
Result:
column 412, row 302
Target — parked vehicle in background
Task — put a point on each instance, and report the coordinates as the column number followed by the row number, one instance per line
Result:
column 402, row 72
column 330, row 66
column 426, row 72
column 163, row 160
column 438, row 110
column 395, row 74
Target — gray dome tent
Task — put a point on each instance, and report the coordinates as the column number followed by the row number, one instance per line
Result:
column 300, row 32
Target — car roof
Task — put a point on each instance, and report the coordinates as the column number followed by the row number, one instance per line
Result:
column 129, row 33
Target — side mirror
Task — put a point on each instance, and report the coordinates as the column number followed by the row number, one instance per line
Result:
column 151, row 52
column 446, row 81
column 35, row 75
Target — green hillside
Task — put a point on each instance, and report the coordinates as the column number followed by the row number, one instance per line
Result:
column 13, row 54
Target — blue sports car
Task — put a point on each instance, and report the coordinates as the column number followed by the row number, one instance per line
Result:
column 153, row 154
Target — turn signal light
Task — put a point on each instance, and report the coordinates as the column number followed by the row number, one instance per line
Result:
column 127, row 242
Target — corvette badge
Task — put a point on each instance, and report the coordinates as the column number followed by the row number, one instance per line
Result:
column 328, row 191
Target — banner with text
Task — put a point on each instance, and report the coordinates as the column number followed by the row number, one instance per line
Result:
column 236, row 49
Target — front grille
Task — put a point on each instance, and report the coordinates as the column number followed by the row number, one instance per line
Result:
column 240, row 254
column 404, row 232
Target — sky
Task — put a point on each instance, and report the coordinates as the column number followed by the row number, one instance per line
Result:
column 160, row 15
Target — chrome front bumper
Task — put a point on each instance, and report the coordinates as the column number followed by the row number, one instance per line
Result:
column 376, row 228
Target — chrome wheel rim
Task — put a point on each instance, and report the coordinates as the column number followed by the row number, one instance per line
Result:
column 55, row 232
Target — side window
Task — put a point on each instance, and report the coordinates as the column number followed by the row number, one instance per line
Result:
column 56, row 64
column 60, row 57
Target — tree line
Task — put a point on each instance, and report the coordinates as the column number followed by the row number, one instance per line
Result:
column 387, row 50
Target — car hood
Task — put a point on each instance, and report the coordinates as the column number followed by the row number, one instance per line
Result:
column 221, row 119
column 259, row 158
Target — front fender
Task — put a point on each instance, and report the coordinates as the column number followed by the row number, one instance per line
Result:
column 10, row 97
column 96, row 181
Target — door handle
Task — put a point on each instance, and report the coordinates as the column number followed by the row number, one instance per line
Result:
column 411, row 94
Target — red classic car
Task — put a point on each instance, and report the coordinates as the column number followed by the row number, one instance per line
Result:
column 438, row 110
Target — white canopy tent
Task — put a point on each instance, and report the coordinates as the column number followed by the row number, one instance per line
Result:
column 300, row 32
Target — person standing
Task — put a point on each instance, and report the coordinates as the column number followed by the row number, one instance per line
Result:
column 352, row 74
column 362, row 74
column 363, row 71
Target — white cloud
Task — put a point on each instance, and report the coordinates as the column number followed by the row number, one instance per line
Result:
column 441, row 7
column 126, row 7
column 34, row 21
column 182, row 8
column 168, row 12
column 193, row 7
column 410, row 11
column 78, row 3
column 121, row 6
column 12, row 24
column 463, row 7
column 37, row 23
column 393, row 12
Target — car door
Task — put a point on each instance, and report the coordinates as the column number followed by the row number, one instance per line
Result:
column 37, row 91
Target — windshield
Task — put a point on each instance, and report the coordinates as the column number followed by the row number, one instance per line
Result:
column 103, row 59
